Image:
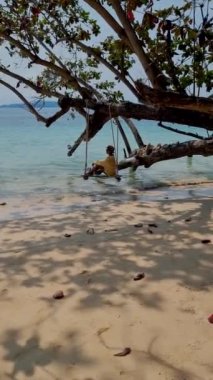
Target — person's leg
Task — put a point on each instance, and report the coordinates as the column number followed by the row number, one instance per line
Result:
column 98, row 169
column 95, row 169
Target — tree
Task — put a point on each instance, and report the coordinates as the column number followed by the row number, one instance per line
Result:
column 162, row 56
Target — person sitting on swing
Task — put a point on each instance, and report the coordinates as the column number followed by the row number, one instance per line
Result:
column 107, row 166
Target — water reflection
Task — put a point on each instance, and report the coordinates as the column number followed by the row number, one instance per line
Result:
column 189, row 162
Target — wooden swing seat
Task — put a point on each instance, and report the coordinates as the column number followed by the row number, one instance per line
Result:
column 101, row 176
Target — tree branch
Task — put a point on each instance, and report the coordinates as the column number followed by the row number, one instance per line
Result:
column 128, row 36
column 134, row 130
column 128, row 109
column 56, row 116
column 39, row 117
column 72, row 149
column 25, row 101
column 172, row 68
column 160, row 98
column 152, row 154
column 91, row 51
column 29, row 83
column 71, row 80
column 51, row 53
column 108, row 19
column 123, row 134
column 153, row 73
column 160, row 124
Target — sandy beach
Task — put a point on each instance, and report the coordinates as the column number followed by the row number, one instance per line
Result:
column 162, row 318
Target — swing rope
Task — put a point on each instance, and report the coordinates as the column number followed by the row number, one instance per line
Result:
column 114, row 144
column 87, row 139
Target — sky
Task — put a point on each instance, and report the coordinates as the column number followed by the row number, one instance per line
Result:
column 6, row 96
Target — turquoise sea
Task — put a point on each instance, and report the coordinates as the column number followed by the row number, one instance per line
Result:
column 34, row 162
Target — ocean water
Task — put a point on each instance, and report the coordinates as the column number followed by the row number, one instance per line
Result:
column 34, row 161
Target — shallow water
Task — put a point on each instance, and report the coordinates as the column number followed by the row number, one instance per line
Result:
column 34, row 164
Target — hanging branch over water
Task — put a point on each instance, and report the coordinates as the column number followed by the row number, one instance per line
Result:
column 150, row 154
column 101, row 115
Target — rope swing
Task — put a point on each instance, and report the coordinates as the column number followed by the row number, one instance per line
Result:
column 85, row 176
column 117, row 176
column 115, row 144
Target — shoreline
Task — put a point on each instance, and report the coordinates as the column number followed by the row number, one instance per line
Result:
column 162, row 318
column 38, row 204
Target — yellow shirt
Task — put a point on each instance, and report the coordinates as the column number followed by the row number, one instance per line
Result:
column 109, row 165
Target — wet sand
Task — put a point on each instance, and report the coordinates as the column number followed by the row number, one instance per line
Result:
column 162, row 318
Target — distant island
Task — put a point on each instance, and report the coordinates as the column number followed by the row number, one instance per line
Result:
column 47, row 104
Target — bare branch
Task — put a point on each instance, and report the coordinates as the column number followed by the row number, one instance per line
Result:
column 39, row 117
column 160, row 124
column 25, row 101
column 56, row 116
column 134, row 130
column 121, row 130
column 51, row 53
column 72, row 149
column 109, row 19
column 152, row 154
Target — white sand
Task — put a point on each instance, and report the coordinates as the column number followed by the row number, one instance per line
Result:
column 162, row 318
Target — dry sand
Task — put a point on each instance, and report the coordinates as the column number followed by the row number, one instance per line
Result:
column 163, row 317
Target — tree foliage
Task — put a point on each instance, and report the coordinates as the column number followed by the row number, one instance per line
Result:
column 95, row 54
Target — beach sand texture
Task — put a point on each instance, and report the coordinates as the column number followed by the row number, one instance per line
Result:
column 163, row 317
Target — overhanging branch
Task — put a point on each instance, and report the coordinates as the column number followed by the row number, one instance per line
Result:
column 160, row 98
column 152, row 154
column 139, row 112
